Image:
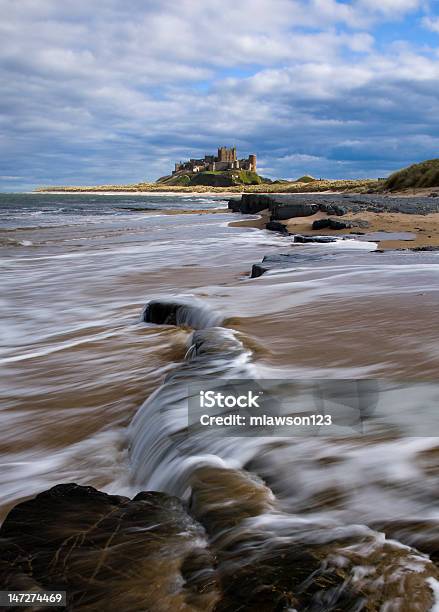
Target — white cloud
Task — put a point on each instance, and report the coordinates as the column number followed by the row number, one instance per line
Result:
column 431, row 23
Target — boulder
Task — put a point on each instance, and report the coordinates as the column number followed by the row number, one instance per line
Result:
column 108, row 552
column 290, row 211
column 234, row 205
column 258, row 270
column 275, row 226
column 252, row 203
column 319, row 224
column 176, row 312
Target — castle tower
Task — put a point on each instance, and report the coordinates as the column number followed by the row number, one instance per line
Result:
column 252, row 163
column 226, row 155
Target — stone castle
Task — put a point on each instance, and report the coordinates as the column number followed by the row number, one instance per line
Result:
column 225, row 160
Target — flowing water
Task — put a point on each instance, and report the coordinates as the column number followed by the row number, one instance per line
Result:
column 93, row 394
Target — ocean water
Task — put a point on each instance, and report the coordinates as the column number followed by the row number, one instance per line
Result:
column 91, row 393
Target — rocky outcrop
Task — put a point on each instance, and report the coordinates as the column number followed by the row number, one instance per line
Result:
column 109, row 552
column 333, row 204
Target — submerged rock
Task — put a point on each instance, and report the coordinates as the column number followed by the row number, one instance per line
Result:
column 175, row 312
column 318, row 239
column 274, row 262
column 108, row 552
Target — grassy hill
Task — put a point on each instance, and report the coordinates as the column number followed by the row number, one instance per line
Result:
column 228, row 178
column 425, row 174
column 306, row 179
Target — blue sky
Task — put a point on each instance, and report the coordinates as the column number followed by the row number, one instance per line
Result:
column 115, row 91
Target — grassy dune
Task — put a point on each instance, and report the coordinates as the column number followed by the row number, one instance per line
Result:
column 417, row 176
column 357, row 186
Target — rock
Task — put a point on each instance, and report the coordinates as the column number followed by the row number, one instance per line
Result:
column 430, row 248
column 320, row 224
column 337, row 224
column 274, row 262
column 234, row 205
column 258, row 270
column 108, row 552
column 290, row 211
column 252, row 203
column 275, row 226
column 433, row 194
column 336, row 209
column 175, row 312
column 342, row 210
column 339, row 205
column 319, row 239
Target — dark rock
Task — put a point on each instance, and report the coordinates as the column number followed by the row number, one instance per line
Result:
column 258, row 270
column 274, row 262
column 339, row 205
column 252, row 203
column 319, row 239
column 174, row 312
column 108, row 552
column 342, row 210
column 337, row 224
column 433, row 194
column 234, row 205
column 320, row 224
column 335, row 209
column 430, row 248
column 290, row 211
column 275, row 226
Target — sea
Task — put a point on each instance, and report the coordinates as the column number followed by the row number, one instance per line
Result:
column 92, row 393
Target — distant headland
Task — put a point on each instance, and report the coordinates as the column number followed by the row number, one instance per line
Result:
column 225, row 173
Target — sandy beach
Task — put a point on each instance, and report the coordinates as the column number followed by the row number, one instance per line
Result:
column 424, row 228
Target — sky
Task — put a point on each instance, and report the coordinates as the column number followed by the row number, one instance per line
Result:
column 116, row 91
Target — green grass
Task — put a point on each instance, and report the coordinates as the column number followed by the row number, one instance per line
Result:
column 424, row 174
column 213, row 178
column 306, row 179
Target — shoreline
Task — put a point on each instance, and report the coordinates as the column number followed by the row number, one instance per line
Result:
column 231, row 191
column 425, row 228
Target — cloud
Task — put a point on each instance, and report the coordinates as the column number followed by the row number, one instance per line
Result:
column 431, row 23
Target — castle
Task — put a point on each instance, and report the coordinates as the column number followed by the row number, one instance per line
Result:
column 225, row 160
